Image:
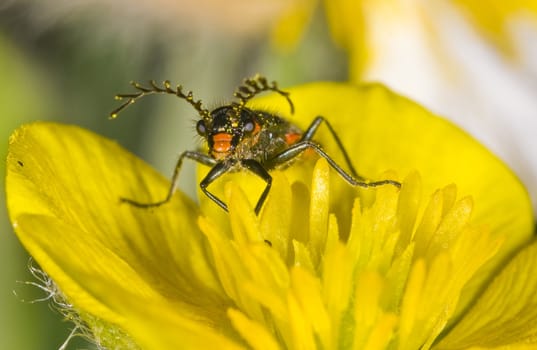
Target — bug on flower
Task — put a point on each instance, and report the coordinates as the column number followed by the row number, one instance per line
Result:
column 241, row 138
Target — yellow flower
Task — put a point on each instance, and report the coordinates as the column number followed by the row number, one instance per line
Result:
column 465, row 60
column 414, row 268
column 363, row 27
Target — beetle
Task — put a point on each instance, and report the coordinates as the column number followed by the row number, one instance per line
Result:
column 241, row 138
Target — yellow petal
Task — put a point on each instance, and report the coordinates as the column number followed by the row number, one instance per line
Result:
column 319, row 209
column 255, row 334
column 337, row 283
column 280, row 197
column 301, row 327
column 368, row 293
column 307, row 290
column 242, row 217
column 63, row 189
column 409, row 199
column 166, row 324
column 382, row 130
column 348, row 25
column 520, row 346
column 292, row 23
column 100, row 283
column 493, row 21
column 505, row 314
column 411, row 302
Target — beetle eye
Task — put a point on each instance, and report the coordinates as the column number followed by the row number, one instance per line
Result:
column 249, row 126
column 201, row 128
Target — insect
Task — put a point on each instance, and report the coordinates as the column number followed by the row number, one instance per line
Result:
column 240, row 138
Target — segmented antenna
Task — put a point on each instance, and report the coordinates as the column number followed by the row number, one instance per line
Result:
column 256, row 85
column 155, row 89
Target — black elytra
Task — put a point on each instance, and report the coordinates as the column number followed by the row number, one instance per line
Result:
column 241, row 138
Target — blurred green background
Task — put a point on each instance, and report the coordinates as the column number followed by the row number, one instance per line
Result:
column 67, row 64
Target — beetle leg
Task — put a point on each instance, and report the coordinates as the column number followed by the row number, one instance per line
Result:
column 310, row 133
column 216, row 171
column 223, row 167
column 256, row 168
column 301, row 146
column 195, row 156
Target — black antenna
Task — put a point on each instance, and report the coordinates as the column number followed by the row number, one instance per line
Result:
column 253, row 86
column 155, row 89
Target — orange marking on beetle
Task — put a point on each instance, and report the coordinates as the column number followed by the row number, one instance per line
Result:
column 292, row 138
column 257, row 128
column 222, row 142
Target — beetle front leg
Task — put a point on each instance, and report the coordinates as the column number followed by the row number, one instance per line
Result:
column 195, row 156
column 216, row 171
column 256, row 168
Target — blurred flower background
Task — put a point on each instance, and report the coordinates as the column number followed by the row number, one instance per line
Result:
column 65, row 60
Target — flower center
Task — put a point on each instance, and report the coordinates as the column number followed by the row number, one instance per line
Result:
column 395, row 280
